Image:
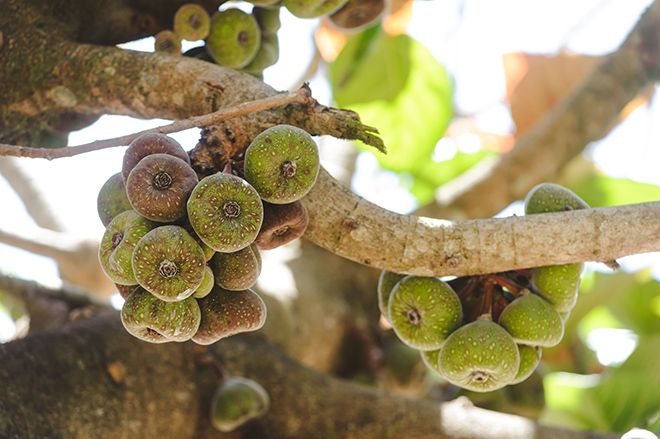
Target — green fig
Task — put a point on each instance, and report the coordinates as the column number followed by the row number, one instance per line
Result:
column 112, row 199
column 237, row 401
column 532, row 321
column 159, row 186
column 167, row 42
column 268, row 54
column 530, row 356
column 386, row 283
column 192, row 22
column 117, row 244
column 558, row 284
column 207, row 284
column 268, row 19
column 225, row 313
column 151, row 319
column 313, row 8
column 430, row 359
column 237, row 271
column 480, row 356
column 549, row 197
column 226, row 212
column 168, row 263
column 234, row 38
column 282, row 164
column 424, row 311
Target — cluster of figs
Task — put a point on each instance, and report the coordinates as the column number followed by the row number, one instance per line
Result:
column 184, row 252
column 482, row 333
column 248, row 41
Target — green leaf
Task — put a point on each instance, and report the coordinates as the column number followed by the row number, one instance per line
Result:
column 397, row 86
column 639, row 308
column 601, row 190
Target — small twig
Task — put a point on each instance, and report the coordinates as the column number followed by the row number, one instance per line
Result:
column 300, row 96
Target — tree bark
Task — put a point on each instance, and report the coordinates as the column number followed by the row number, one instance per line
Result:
column 91, row 378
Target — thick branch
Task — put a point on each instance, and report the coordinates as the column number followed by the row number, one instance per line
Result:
column 92, row 377
column 580, row 119
column 356, row 229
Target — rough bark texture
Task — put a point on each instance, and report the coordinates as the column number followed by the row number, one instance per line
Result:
column 92, row 378
column 580, row 119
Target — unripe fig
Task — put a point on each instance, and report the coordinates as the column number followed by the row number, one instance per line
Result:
column 313, row 8
column 282, row 224
column 167, row 42
column 207, row 284
column 558, row 284
column 225, row 212
column 530, row 356
column 358, row 14
column 237, row 401
column 480, row 356
column 424, row 311
column 549, row 197
column 116, row 248
column 126, row 290
column 151, row 319
column 268, row 19
column 237, row 271
column 268, row 54
column 226, row 313
column 234, row 38
column 192, row 22
column 112, row 199
column 159, row 186
column 168, row 263
column 386, row 283
column 282, row 164
column 430, row 359
column 532, row 321
column 150, row 143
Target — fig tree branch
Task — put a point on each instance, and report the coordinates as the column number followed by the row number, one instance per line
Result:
column 583, row 117
column 99, row 378
column 356, row 229
column 300, row 96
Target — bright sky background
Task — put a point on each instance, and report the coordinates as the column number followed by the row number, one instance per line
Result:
column 469, row 37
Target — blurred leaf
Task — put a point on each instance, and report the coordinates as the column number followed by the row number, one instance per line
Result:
column 639, row 308
column 396, row 85
column 570, row 404
column 599, row 317
column 629, row 394
column 601, row 190
column 425, row 179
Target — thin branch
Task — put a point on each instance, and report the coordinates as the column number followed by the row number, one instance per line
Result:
column 356, row 229
column 581, row 118
column 300, row 96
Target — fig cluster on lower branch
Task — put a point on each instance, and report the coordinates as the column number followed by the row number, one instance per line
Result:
column 184, row 252
column 484, row 332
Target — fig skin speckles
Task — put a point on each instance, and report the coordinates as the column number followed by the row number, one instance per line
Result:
column 112, row 199
column 282, row 164
column 237, row 271
column 159, row 186
column 225, row 313
column 151, row 319
column 532, row 321
column 558, row 284
column 530, row 356
column 147, row 144
column 550, row 197
column 424, row 311
column 168, row 263
column 386, row 283
column 480, row 356
column 234, row 38
column 225, row 212
column 117, row 244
